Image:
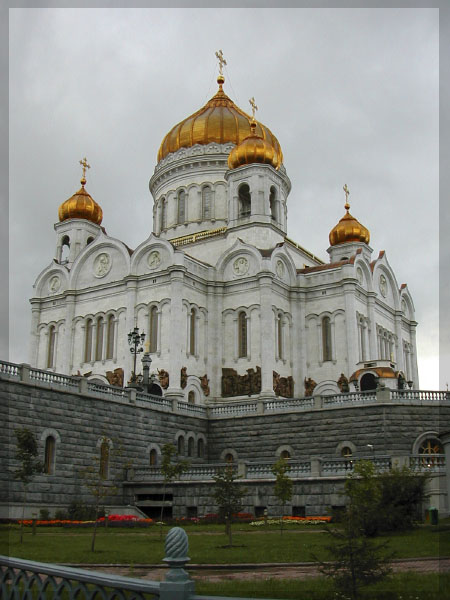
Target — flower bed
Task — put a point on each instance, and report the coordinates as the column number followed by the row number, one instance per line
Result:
column 291, row 521
column 114, row 520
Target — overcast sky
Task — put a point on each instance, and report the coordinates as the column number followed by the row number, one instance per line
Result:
column 351, row 94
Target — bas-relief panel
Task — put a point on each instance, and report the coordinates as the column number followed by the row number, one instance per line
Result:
column 104, row 265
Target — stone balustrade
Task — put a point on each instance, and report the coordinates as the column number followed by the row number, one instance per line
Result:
column 314, row 467
column 215, row 410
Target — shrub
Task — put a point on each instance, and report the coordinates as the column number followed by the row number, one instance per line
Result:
column 61, row 515
column 44, row 514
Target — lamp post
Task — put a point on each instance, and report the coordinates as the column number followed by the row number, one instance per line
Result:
column 135, row 341
column 146, row 364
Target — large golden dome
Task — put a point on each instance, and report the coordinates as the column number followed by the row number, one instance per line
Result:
column 253, row 149
column 220, row 121
column 81, row 206
column 349, row 229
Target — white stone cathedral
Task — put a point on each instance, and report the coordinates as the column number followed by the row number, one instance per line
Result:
column 230, row 306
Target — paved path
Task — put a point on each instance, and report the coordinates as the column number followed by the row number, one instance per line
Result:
column 217, row 573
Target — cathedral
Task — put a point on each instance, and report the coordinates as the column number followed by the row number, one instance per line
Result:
column 230, row 306
column 222, row 336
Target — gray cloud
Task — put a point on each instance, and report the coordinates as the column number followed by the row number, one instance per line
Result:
column 352, row 95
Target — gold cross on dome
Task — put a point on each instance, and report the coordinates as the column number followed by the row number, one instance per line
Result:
column 222, row 62
column 347, row 193
column 254, row 107
column 85, row 166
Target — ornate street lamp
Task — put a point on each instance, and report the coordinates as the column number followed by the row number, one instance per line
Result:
column 136, row 342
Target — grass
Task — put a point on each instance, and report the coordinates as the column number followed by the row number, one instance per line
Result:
column 116, row 545
column 402, row 586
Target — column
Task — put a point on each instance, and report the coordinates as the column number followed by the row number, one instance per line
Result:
column 66, row 343
column 130, row 317
column 176, row 350
column 298, row 343
column 213, row 343
column 34, row 337
column 267, row 337
column 372, row 349
column 351, row 328
column 399, row 341
column 413, row 356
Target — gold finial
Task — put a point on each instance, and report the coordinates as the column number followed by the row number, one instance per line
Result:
column 347, row 194
column 222, row 61
column 85, row 166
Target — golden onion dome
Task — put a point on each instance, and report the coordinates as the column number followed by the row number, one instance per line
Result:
column 349, row 229
column 253, row 149
column 81, row 206
column 220, row 121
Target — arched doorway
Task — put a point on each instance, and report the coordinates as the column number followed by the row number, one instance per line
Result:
column 368, row 382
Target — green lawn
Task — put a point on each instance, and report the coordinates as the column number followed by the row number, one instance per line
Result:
column 404, row 586
column 206, row 545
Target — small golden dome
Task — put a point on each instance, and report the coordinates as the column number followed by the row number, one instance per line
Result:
column 81, row 205
column 349, row 230
column 220, row 121
column 253, row 149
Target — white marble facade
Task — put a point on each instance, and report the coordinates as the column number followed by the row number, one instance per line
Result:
column 212, row 273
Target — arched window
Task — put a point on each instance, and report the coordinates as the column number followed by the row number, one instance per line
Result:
column 326, row 338
column 153, row 337
column 229, row 458
column 206, row 202
column 104, row 460
column 49, row 458
column 51, row 347
column 245, row 201
column 346, row 452
column 163, row 214
column 65, row 249
column 110, row 337
column 273, row 203
column 280, row 336
column 191, row 397
column 285, row 454
column 242, row 334
column 191, row 446
column 181, row 445
column 88, row 341
column 153, row 458
column 99, row 339
column 89, row 240
column 181, row 206
column 200, row 448
column 192, row 332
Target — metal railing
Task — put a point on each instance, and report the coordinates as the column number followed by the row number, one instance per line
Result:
column 24, row 579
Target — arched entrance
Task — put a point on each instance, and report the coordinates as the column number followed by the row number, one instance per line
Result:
column 368, row 382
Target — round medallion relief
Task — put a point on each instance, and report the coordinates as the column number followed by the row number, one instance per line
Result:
column 154, row 259
column 240, row 266
column 280, row 269
column 54, row 284
column 383, row 285
column 102, row 265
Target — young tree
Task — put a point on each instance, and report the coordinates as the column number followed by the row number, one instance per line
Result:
column 26, row 453
column 384, row 501
column 228, row 496
column 170, row 471
column 283, row 485
column 357, row 561
column 96, row 476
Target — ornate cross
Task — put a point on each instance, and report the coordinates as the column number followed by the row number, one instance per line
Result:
column 254, row 107
column 347, row 193
column 85, row 166
column 222, row 62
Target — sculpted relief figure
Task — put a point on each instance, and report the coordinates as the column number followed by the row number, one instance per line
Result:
column 343, row 384
column 310, row 384
column 115, row 377
column 240, row 385
column 204, row 382
column 163, row 378
column 183, row 377
column 283, row 386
